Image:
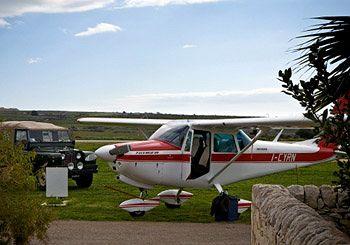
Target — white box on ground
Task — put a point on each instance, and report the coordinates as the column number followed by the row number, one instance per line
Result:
column 56, row 182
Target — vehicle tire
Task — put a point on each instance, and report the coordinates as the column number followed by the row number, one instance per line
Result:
column 40, row 175
column 172, row 206
column 84, row 181
column 137, row 214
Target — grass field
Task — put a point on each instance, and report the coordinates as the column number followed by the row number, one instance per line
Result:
column 100, row 203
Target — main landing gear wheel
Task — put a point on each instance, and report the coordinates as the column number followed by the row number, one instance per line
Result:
column 84, row 180
column 172, row 206
column 136, row 214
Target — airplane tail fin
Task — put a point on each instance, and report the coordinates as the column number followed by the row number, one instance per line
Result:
column 318, row 142
column 309, row 142
column 323, row 144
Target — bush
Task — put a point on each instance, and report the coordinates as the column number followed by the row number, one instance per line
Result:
column 21, row 215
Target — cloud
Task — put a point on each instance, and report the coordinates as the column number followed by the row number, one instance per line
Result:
column 64, row 30
column 255, row 102
column 189, row 46
column 258, row 102
column 12, row 8
column 34, row 60
column 99, row 28
column 161, row 3
column 259, row 91
column 3, row 23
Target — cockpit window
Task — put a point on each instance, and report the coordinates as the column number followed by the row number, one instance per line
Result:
column 242, row 139
column 188, row 141
column 174, row 135
column 224, row 143
column 48, row 136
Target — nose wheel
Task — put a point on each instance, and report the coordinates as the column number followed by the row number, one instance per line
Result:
column 172, row 206
column 143, row 195
column 136, row 214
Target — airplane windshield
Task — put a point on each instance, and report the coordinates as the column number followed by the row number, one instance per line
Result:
column 174, row 135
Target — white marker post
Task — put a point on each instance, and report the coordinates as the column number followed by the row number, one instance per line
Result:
column 57, row 183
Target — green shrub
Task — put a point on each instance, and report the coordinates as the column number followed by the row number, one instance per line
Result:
column 21, row 215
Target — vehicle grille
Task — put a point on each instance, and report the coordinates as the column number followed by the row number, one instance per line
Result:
column 69, row 157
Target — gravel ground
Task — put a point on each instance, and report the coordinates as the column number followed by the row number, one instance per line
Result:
column 101, row 232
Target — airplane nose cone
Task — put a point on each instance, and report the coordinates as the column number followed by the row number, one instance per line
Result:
column 103, row 152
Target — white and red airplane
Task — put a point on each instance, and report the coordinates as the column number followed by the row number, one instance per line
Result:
column 203, row 154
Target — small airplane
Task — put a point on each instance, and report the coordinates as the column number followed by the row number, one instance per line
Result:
column 204, row 154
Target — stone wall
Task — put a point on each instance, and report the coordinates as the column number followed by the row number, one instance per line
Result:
column 327, row 200
column 279, row 218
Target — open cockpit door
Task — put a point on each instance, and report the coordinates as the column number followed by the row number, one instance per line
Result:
column 200, row 153
column 186, row 166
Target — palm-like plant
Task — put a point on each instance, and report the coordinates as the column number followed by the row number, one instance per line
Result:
column 331, row 41
column 332, row 38
column 326, row 51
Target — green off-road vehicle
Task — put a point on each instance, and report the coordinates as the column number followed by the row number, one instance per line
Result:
column 53, row 147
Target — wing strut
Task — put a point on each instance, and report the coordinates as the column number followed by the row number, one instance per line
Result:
column 143, row 133
column 235, row 157
column 278, row 136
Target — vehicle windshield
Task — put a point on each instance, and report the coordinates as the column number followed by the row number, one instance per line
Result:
column 174, row 135
column 49, row 136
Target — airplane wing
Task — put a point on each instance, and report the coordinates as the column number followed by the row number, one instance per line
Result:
column 238, row 123
column 222, row 124
column 124, row 121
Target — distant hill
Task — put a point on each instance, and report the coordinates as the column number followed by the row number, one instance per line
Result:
column 106, row 132
column 81, row 131
column 8, row 109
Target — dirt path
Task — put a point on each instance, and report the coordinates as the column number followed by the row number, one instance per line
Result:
column 100, row 232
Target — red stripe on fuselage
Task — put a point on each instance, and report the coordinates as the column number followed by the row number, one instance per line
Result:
column 152, row 145
column 254, row 157
column 274, row 157
column 157, row 158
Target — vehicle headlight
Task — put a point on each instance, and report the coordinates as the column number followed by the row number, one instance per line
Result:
column 80, row 165
column 70, row 166
column 91, row 157
column 63, row 156
column 78, row 156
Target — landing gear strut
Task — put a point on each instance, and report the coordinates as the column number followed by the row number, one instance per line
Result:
column 178, row 201
column 143, row 195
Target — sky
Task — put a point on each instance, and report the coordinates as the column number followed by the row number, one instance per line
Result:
column 171, row 56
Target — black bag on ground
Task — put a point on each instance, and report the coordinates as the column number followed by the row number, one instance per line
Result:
column 225, row 208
